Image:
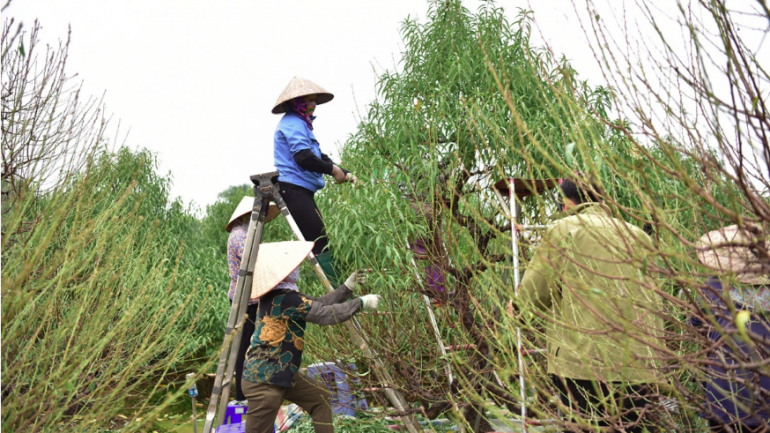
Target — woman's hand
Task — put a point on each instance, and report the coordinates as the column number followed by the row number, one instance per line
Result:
column 370, row 301
column 342, row 177
column 356, row 278
column 339, row 175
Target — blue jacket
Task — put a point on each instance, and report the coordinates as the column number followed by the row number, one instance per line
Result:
column 291, row 136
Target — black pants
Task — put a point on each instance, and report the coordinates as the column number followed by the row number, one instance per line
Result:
column 248, row 330
column 585, row 398
column 302, row 206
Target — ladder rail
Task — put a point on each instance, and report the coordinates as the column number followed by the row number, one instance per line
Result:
column 434, row 323
column 242, row 314
column 232, row 332
column 514, row 213
column 440, row 341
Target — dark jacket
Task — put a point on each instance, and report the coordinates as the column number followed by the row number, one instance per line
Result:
column 276, row 347
column 732, row 400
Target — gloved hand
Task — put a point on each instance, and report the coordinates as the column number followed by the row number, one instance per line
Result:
column 356, row 278
column 371, row 301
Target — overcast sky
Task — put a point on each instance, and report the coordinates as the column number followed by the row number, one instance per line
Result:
column 195, row 81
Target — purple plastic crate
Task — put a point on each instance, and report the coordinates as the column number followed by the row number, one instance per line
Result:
column 234, row 414
column 232, row 428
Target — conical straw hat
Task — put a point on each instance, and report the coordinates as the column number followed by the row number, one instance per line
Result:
column 301, row 87
column 275, row 261
column 245, row 207
column 713, row 253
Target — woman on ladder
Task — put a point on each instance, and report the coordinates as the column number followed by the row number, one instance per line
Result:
column 301, row 164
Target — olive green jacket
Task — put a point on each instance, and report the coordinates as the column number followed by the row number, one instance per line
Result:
column 589, row 277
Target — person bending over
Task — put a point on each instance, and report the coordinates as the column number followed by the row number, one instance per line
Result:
column 586, row 281
column 271, row 370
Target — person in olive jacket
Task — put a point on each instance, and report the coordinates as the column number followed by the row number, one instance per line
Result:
column 587, row 279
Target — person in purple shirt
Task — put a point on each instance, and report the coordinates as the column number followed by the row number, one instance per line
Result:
column 301, row 164
column 236, row 241
column 737, row 399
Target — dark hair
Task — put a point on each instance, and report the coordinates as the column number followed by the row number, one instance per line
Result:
column 581, row 189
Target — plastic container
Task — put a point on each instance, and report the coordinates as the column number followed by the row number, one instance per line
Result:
column 232, row 428
column 234, row 414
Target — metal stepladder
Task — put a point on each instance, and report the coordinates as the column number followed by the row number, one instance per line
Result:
column 516, row 189
column 443, row 349
column 437, row 333
column 506, row 187
column 266, row 189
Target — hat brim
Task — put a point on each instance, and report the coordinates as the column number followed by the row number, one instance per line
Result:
column 272, row 212
column 275, row 261
column 716, row 252
column 321, row 98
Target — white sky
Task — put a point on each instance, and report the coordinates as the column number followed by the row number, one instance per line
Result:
column 195, row 81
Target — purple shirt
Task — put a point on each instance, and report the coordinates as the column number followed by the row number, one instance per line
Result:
column 720, row 392
column 235, row 245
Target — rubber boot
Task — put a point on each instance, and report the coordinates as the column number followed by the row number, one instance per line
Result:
column 327, row 264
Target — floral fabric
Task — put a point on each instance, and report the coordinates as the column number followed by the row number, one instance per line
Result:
column 235, row 244
column 290, row 282
column 755, row 298
column 303, row 109
column 275, row 353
